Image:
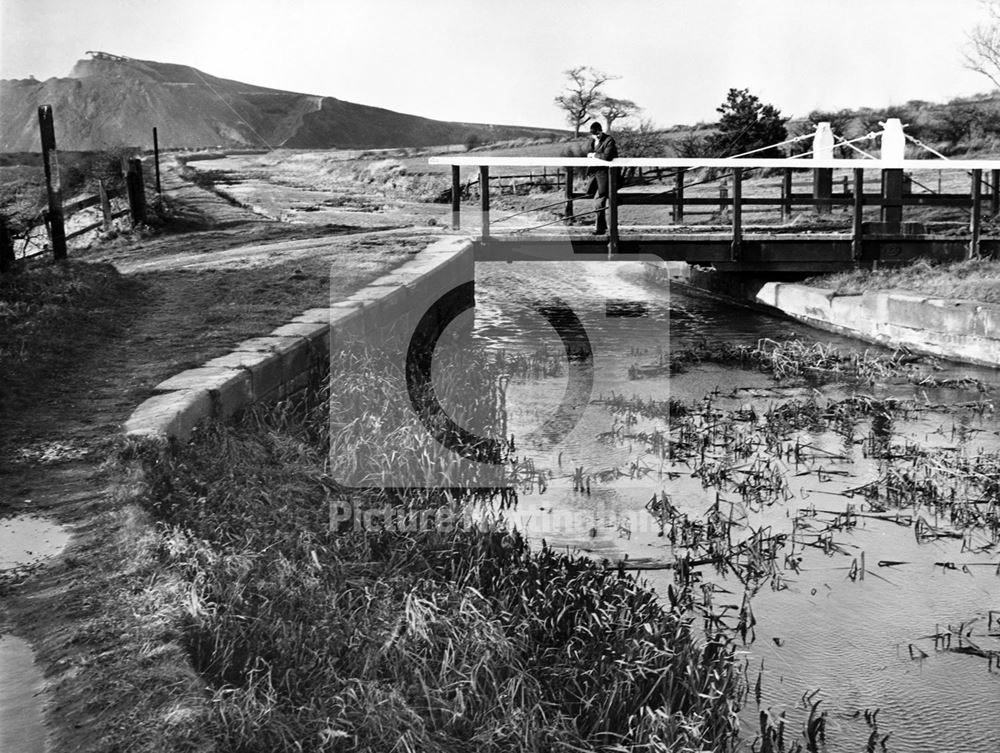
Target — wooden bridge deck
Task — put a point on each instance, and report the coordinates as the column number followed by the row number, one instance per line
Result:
column 767, row 248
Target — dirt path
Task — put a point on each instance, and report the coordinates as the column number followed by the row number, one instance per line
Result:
column 194, row 294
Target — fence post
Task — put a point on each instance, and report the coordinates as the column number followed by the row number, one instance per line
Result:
column 679, row 195
column 823, row 189
column 857, row 239
column 977, row 214
column 456, row 198
column 156, row 160
column 786, row 194
column 614, row 180
column 737, row 214
column 994, row 193
column 53, row 184
column 723, row 196
column 484, row 199
column 102, row 192
column 892, row 195
column 6, row 248
column 569, row 194
column 136, row 191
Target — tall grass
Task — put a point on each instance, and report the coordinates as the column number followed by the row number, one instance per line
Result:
column 462, row 638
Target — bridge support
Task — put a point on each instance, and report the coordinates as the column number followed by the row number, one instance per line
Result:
column 568, row 214
column 892, row 194
column 976, row 223
column 456, row 198
column 786, row 194
column 857, row 226
column 614, row 180
column 736, row 247
column 484, row 199
column 679, row 195
column 823, row 189
column 994, row 193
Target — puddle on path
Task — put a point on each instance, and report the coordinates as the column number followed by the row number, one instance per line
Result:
column 26, row 540
column 21, row 683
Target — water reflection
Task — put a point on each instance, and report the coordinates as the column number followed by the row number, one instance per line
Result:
column 863, row 635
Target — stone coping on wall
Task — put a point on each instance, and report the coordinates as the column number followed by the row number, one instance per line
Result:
column 267, row 368
column 958, row 330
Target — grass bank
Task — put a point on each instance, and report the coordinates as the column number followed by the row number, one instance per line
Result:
column 974, row 280
column 51, row 315
column 450, row 637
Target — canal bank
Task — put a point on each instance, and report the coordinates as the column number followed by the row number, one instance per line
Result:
column 958, row 330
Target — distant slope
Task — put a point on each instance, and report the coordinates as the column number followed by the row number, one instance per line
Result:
column 111, row 101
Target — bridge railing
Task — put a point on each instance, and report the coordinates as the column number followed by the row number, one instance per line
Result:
column 893, row 197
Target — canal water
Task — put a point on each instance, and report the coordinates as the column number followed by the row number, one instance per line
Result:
column 849, row 620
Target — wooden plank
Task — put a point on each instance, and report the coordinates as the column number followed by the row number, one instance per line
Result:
column 917, row 200
column 87, row 229
column 85, row 203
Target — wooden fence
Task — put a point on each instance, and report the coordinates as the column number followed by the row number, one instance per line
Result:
column 55, row 215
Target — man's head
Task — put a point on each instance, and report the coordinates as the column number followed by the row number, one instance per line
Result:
column 595, row 129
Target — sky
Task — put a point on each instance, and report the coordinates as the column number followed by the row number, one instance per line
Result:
column 504, row 61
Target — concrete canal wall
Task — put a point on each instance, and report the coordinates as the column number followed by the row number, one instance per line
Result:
column 959, row 330
column 954, row 329
column 285, row 361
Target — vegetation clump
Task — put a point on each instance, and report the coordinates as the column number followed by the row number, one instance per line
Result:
column 380, row 637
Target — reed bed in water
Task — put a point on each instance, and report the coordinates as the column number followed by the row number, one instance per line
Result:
column 785, row 359
column 451, row 639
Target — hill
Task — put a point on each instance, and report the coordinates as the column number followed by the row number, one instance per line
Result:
column 110, row 100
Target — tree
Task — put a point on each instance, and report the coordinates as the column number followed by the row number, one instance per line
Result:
column 982, row 53
column 954, row 123
column 645, row 140
column 747, row 124
column 582, row 95
column 612, row 109
column 840, row 120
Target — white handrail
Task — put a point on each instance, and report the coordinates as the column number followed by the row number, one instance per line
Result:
column 807, row 163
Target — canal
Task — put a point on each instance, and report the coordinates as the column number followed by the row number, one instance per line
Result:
column 851, row 589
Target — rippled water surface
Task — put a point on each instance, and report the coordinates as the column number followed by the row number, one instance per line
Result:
column 861, row 643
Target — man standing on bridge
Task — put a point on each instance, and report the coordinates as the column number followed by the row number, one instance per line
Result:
column 604, row 148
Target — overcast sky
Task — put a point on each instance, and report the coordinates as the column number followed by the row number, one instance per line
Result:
column 502, row 61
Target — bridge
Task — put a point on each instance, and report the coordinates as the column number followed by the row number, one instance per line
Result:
column 884, row 185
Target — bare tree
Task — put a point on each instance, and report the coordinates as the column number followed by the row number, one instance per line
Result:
column 582, row 94
column 982, row 54
column 612, row 109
